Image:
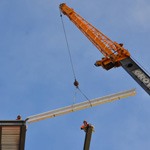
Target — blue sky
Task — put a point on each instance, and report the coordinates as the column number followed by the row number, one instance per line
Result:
column 36, row 75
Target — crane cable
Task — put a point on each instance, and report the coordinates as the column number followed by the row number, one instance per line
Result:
column 68, row 48
column 76, row 83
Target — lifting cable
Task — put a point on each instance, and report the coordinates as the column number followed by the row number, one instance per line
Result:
column 68, row 48
column 76, row 83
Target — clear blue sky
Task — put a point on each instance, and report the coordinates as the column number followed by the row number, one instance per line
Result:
column 36, row 75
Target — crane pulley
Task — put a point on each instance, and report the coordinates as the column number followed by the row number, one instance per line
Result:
column 115, row 54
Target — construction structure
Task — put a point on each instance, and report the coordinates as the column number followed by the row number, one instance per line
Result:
column 115, row 54
column 12, row 134
column 88, row 129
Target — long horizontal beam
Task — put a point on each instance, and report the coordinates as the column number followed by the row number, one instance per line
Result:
column 80, row 106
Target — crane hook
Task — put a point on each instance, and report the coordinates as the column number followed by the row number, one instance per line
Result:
column 76, row 83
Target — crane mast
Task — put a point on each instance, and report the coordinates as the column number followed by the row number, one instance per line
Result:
column 115, row 54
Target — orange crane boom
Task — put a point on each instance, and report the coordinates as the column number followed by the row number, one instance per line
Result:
column 115, row 54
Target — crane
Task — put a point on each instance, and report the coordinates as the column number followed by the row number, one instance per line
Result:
column 115, row 55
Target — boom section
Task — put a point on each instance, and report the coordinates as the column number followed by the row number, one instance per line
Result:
column 137, row 73
column 112, row 51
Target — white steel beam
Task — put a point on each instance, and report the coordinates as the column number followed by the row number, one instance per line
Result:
column 80, row 106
